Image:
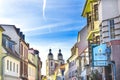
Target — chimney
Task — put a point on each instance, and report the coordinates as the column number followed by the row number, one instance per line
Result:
column 23, row 37
column 18, row 30
column 36, row 52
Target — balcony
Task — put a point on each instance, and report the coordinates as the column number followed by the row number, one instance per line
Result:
column 93, row 25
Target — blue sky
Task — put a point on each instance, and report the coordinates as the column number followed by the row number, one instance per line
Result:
column 46, row 23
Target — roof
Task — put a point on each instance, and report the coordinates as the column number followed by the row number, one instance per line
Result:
column 16, row 29
column 87, row 7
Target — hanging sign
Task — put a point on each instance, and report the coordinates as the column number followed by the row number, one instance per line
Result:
column 100, row 56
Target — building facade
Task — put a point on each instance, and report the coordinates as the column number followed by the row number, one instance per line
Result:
column 11, row 59
column 38, row 64
column 109, row 16
column 2, row 54
column 90, row 12
column 24, row 60
column 14, row 62
column 31, row 65
column 83, row 55
column 66, row 71
column 73, row 65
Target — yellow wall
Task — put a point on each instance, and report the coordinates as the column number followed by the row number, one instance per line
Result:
column 1, row 30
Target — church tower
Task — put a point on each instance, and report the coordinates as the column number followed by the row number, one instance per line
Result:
column 50, row 63
column 60, row 58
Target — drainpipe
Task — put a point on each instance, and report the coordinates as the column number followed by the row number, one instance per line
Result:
column 114, row 68
column 3, row 66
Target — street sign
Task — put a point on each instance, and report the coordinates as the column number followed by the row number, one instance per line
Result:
column 100, row 63
column 100, row 56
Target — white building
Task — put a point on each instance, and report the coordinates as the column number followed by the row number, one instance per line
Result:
column 11, row 68
column 11, row 62
column 15, row 35
column 109, row 16
column 11, row 46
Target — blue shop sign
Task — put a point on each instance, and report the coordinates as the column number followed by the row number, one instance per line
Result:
column 99, row 52
column 99, row 55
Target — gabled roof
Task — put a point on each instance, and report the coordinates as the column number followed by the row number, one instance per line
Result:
column 15, row 28
column 87, row 7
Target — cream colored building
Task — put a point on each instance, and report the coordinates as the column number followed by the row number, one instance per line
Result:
column 73, row 65
column 31, row 65
column 31, row 72
column 11, row 68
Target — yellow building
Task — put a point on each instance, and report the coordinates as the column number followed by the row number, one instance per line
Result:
column 1, row 30
column 59, row 73
column 90, row 12
column 44, row 78
column 31, row 65
column 66, row 71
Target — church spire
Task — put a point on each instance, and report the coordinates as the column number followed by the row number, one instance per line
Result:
column 50, row 55
column 60, row 56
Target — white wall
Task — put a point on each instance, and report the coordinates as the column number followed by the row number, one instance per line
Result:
column 10, row 31
column 119, row 6
column 100, row 11
column 11, row 72
column 108, row 9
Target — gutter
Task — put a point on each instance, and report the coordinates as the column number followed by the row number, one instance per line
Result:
column 3, row 66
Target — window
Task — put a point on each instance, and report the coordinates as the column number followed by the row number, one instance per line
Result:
column 70, row 75
column 61, row 63
column 13, row 67
column 25, row 53
column 10, row 66
column 7, row 44
column 51, row 63
column 112, row 30
column 10, row 45
column 7, row 64
column 96, row 11
column 4, row 41
column 88, row 18
column 17, row 68
column 21, row 49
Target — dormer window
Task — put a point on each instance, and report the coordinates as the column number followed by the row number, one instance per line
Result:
column 7, row 44
column 12, row 45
